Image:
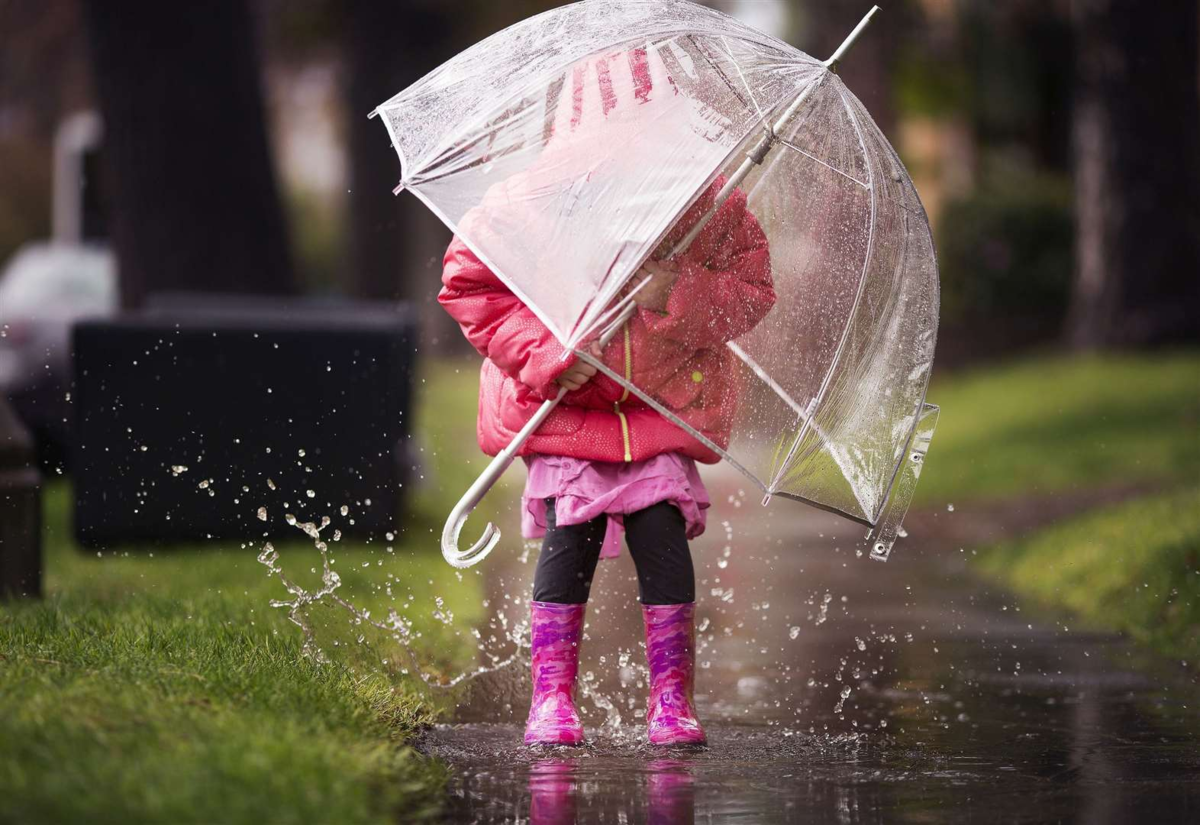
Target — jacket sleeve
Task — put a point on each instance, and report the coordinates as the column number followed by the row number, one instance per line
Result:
column 709, row 305
column 498, row 324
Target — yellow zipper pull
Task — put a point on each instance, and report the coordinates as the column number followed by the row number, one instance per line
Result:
column 624, row 429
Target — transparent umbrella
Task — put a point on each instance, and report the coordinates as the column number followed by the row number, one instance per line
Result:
column 569, row 148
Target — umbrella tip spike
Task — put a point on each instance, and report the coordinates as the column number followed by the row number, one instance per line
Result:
column 837, row 56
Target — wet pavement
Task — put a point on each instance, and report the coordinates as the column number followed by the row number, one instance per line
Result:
column 837, row 689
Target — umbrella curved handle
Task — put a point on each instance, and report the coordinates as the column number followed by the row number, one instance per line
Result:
column 454, row 525
column 470, row 500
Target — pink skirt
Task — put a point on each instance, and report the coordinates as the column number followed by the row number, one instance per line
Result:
column 584, row 489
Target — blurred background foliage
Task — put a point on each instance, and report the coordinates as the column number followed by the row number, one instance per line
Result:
column 1005, row 250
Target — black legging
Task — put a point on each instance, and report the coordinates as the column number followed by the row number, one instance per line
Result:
column 657, row 541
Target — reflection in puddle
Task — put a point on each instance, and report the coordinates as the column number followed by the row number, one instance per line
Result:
column 664, row 796
column 672, row 792
column 552, row 792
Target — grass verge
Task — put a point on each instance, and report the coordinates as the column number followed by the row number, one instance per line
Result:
column 158, row 685
column 138, row 713
column 1053, row 424
column 1133, row 568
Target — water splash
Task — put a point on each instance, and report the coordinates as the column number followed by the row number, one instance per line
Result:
column 394, row 625
column 341, row 618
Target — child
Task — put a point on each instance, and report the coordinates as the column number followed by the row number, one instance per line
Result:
column 604, row 460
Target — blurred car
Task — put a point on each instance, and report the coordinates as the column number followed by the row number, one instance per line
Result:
column 44, row 289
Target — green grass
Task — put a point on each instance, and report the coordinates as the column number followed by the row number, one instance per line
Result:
column 1050, row 425
column 140, row 713
column 1133, row 568
column 1055, row 424
column 159, row 684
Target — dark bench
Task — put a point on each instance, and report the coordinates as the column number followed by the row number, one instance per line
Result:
column 260, row 399
column 20, row 509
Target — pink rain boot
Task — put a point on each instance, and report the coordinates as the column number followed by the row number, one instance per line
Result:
column 554, row 635
column 671, row 652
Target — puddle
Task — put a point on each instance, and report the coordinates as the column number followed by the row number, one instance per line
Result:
column 836, row 689
column 833, row 688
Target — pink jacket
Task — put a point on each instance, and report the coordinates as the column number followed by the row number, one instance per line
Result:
column 678, row 357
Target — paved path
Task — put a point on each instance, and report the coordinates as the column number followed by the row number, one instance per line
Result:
column 842, row 690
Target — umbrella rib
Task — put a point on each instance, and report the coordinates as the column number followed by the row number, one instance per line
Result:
column 886, row 311
column 828, row 508
column 828, row 166
column 442, row 164
column 696, row 434
column 667, row 413
column 768, row 380
column 516, row 290
column 729, row 84
column 728, row 53
column 917, row 413
column 607, row 317
column 862, row 280
column 387, row 124
column 887, row 499
column 580, row 329
column 803, row 414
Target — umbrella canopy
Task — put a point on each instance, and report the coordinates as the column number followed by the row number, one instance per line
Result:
column 565, row 149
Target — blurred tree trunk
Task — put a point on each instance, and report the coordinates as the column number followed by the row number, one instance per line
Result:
column 396, row 244
column 1136, row 145
column 194, row 194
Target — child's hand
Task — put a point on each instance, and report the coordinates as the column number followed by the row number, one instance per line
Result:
column 662, row 276
column 578, row 373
